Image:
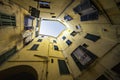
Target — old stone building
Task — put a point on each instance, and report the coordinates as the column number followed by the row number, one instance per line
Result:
column 86, row 48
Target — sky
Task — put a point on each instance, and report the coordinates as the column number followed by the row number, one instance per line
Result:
column 52, row 28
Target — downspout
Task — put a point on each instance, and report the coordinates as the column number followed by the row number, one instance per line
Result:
column 65, row 8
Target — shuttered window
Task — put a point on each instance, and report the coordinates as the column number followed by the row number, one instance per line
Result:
column 5, row 56
column 87, row 10
column 39, row 40
column 63, row 69
column 63, row 37
column 73, row 33
column 7, row 20
column 44, row 4
column 54, row 41
column 92, row 37
column 68, row 42
column 34, row 47
column 56, row 47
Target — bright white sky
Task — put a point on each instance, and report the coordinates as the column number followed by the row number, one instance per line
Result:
column 52, row 28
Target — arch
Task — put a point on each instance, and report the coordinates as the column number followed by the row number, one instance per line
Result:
column 21, row 72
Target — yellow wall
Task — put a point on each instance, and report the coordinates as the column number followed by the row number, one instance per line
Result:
column 107, row 48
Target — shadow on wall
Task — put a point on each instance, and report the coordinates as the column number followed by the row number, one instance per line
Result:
column 22, row 72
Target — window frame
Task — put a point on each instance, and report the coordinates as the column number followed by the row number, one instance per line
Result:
column 63, row 37
column 92, row 37
column 44, row 4
column 39, row 40
column 56, row 48
column 84, row 65
column 34, row 47
column 68, row 42
column 7, row 20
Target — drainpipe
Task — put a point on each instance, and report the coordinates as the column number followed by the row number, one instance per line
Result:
column 65, row 8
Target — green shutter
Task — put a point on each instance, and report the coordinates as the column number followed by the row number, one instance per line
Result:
column 7, row 20
column 5, row 56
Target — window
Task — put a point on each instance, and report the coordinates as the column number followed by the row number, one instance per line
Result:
column 42, row 36
column 83, row 57
column 77, row 27
column 56, row 47
column 90, row 16
column 73, row 33
column 34, row 47
column 36, row 33
column 28, row 22
column 34, row 12
column 63, row 69
column 68, row 18
column 37, row 23
column 92, row 37
column 39, row 40
column 102, row 77
column 85, row 45
column 52, row 60
column 116, row 68
column 5, row 56
column 87, row 10
column 52, row 13
column 63, row 37
column 53, row 16
column 7, row 20
column 54, row 41
column 44, row 4
column 68, row 42
column 117, row 3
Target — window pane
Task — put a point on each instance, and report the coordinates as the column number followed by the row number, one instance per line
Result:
column 63, row 37
column 63, row 67
column 68, row 42
column 73, row 33
column 92, row 37
column 56, row 47
column 34, row 47
column 39, row 40
column 83, row 57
